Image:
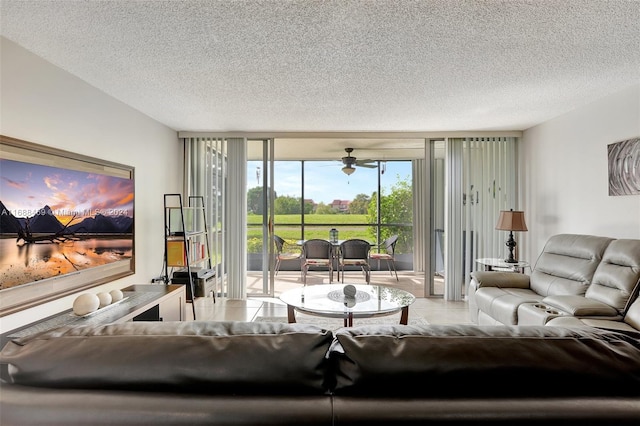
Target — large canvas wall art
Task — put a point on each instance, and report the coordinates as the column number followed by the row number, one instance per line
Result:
column 624, row 167
column 66, row 223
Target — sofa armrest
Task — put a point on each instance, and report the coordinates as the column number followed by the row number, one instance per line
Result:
column 580, row 306
column 500, row 279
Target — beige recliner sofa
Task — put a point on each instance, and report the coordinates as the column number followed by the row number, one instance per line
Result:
column 578, row 280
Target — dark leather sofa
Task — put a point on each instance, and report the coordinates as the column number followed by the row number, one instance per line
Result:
column 236, row 373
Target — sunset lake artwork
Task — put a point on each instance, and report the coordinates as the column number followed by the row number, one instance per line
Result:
column 56, row 221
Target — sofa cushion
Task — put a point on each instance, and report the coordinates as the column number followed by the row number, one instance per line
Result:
column 567, row 321
column 580, row 306
column 200, row 356
column 617, row 277
column 567, row 264
column 485, row 361
column 36, row 406
column 502, row 303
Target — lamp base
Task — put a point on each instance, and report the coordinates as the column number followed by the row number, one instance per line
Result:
column 511, row 244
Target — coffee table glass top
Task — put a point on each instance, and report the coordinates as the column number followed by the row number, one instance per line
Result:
column 329, row 300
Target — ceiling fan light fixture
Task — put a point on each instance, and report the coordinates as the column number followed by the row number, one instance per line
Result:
column 348, row 169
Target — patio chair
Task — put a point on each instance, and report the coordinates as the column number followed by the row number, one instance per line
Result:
column 283, row 252
column 389, row 254
column 355, row 252
column 316, row 253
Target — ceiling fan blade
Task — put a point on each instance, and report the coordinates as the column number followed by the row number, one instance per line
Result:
column 367, row 163
column 351, row 161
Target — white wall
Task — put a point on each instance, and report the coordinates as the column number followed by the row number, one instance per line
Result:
column 43, row 104
column 564, row 167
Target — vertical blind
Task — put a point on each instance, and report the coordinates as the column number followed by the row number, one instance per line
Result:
column 481, row 181
column 216, row 170
column 236, row 210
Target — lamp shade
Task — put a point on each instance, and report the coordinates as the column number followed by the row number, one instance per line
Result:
column 348, row 169
column 511, row 221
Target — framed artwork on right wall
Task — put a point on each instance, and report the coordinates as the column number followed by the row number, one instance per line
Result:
column 624, row 167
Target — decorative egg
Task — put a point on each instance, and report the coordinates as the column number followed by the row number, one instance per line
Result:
column 85, row 304
column 105, row 299
column 116, row 295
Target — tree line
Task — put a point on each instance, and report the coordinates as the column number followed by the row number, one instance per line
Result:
column 287, row 204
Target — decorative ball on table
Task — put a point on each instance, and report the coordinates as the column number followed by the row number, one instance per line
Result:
column 116, row 295
column 349, row 290
column 349, row 295
column 85, row 304
column 105, row 299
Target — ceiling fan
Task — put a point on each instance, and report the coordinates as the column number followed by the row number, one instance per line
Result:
column 349, row 162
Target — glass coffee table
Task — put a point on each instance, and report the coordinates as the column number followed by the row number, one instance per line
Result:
column 329, row 300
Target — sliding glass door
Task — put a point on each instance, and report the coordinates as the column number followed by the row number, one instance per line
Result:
column 306, row 198
column 260, row 218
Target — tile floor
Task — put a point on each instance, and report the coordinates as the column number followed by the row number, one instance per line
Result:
column 433, row 309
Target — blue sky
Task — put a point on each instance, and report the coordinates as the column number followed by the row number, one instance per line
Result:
column 325, row 180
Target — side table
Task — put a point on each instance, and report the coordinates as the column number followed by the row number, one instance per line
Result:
column 495, row 264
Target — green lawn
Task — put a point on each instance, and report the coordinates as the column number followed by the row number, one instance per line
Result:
column 316, row 226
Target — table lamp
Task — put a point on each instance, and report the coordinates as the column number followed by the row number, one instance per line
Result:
column 511, row 221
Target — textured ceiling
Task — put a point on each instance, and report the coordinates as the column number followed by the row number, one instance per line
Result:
column 431, row 65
